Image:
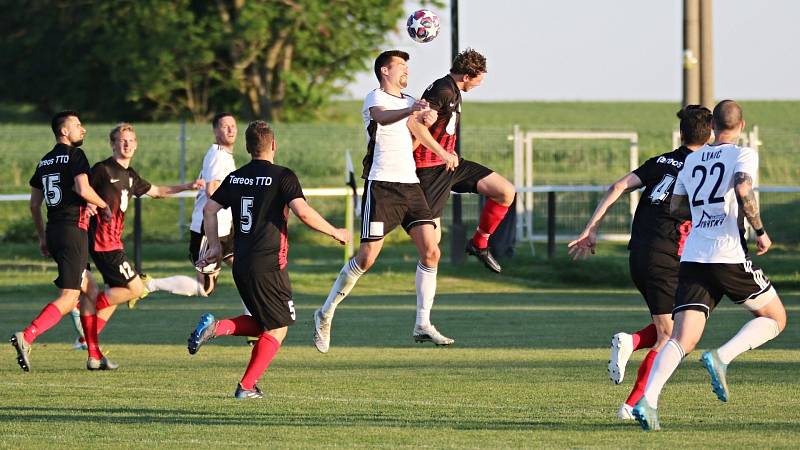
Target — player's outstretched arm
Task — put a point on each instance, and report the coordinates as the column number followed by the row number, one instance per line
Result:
column 315, row 221
column 743, row 186
column 585, row 244
column 87, row 192
column 37, row 197
column 164, row 191
column 389, row 116
column 210, row 225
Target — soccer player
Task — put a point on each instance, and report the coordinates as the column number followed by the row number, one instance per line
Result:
column 715, row 189
column 444, row 96
column 657, row 240
column 61, row 180
column 259, row 195
column 116, row 182
column 217, row 164
column 392, row 196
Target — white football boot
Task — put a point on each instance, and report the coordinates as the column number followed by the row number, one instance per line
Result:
column 429, row 333
column 621, row 349
column 322, row 332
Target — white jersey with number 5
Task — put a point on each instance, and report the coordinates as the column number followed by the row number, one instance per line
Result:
column 707, row 179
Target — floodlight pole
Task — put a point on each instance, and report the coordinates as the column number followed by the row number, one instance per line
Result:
column 458, row 235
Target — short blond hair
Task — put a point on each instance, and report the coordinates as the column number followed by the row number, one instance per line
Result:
column 117, row 130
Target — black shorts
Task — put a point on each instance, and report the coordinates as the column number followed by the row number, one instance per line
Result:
column 437, row 182
column 117, row 270
column 196, row 239
column 386, row 204
column 702, row 285
column 655, row 275
column 69, row 247
column 267, row 295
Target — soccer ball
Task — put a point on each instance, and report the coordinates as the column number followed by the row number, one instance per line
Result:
column 423, row 25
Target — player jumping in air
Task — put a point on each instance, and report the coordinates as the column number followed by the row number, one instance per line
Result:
column 392, row 197
column 444, row 96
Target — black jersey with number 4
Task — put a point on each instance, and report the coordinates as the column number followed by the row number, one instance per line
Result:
column 258, row 194
column 116, row 185
column 653, row 225
column 55, row 177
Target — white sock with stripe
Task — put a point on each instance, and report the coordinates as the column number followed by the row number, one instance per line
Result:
column 344, row 283
column 664, row 366
column 753, row 334
column 426, row 291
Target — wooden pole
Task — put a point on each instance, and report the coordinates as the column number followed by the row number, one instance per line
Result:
column 691, row 52
column 706, row 54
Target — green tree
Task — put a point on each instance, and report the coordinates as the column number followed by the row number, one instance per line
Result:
column 272, row 59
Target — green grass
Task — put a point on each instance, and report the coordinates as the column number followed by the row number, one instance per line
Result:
column 527, row 370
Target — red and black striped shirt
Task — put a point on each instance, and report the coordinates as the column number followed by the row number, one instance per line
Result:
column 444, row 97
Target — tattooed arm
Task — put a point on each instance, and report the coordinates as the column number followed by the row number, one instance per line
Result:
column 743, row 185
column 679, row 207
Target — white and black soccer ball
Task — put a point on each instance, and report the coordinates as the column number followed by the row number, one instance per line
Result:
column 423, row 25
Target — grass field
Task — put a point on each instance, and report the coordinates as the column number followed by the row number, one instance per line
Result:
column 527, row 369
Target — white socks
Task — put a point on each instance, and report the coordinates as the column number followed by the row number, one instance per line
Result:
column 344, row 283
column 665, row 364
column 751, row 335
column 179, row 285
column 426, row 291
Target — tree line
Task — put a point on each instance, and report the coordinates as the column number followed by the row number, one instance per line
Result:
column 165, row 59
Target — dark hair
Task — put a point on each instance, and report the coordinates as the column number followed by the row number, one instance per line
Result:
column 727, row 115
column 385, row 58
column 58, row 120
column 258, row 137
column 218, row 117
column 695, row 124
column 469, row 62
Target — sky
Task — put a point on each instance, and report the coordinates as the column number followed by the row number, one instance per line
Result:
column 607, row 49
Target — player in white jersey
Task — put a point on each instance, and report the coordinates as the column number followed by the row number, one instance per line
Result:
column 392, row 196
column 715, row 180
column 217, row 164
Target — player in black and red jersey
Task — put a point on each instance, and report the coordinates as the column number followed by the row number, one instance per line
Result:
column 259, row 195
column 116, row 182
column 656, row 244
column 61, row 180
column 444, row 96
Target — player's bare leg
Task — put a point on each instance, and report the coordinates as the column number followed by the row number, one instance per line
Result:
column 500, row 193
column 352, row 270
column 424, row 237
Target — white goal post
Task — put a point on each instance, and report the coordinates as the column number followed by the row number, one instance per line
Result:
column 524, row 148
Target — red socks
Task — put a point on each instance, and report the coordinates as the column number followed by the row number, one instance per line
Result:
column 645, row 338
column 89, row 324
column 100, row 325
column 239, row 326
column 102, row 301
column 491, row 216
column 265, row 349
column 641, row 378
column 49, row 316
